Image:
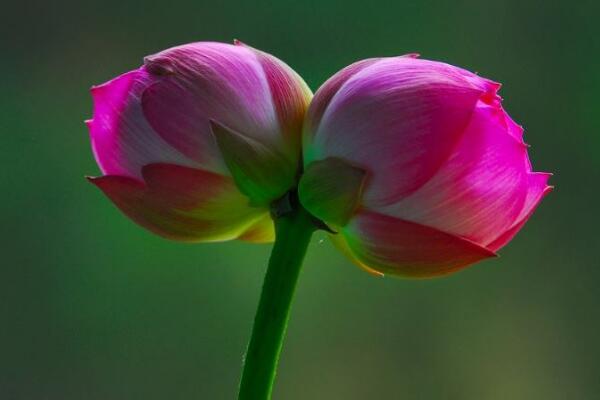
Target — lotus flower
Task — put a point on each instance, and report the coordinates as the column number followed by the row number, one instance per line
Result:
column 417, row 166
column 195, row 144
column 413, row 165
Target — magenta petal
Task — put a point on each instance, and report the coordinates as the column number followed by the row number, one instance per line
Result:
column 329, row 89
column 514, row 129
column 487, row 86
column 182, row 203
column 399, row 119
column 481, row 189
column 122, row 140
column 538, row 189
column 171, row 108
column 394, row 246
column 290, row 95
column 205, row 81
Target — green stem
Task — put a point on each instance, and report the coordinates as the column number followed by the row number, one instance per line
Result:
column 292, row 235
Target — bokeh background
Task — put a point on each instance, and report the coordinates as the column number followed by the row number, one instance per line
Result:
column 94, row 307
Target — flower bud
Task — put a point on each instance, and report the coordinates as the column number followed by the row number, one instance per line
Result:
column 417, row 166
column 195, row 144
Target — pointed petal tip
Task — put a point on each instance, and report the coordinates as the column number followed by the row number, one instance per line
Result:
column 495, row 85
column 239, row 43
column 485, row 251
column 214, row 124
column 372, row 271
column 158, row 66
column 490, row 94
column 98, row 89
column 105, row 90
column 544, row 175
column 217, row 128
column 92, row 179
column 148, row 60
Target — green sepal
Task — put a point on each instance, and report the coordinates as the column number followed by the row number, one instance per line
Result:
column 260, row 172
column 331, row 189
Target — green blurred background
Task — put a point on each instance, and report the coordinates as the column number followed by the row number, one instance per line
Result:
column 94, row 307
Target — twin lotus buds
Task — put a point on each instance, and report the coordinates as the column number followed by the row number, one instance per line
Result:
column 414, row 163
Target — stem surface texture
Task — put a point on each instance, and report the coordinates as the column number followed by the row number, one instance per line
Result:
column 292, row 235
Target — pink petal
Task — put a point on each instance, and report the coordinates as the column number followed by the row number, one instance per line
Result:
column 489, row 87
column 122, row 140
column 204, row 81
column 398, row 118
column 515, row 130
column 182, row 203
column 538, row 189
column 481, row 190
column 290, row 95
column 329, row 89
column 398, row 247
column 332, row 86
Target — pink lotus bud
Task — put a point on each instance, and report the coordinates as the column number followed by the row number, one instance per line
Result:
column 197, row 142
column 417, row 166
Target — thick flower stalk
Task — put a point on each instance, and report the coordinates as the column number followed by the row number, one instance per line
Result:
column 417, row 166
column 195, row 144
